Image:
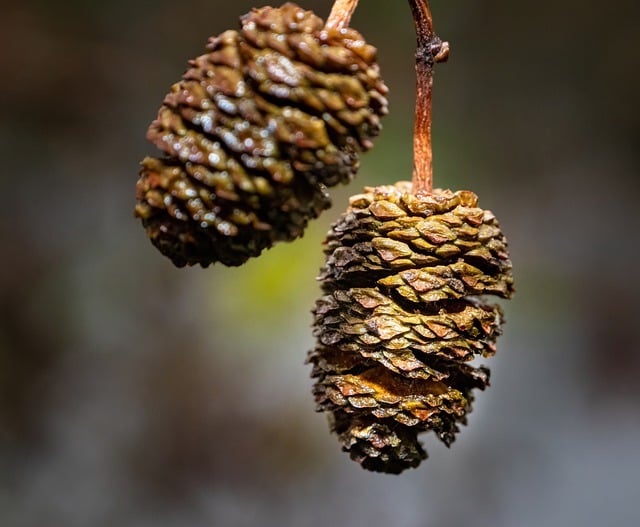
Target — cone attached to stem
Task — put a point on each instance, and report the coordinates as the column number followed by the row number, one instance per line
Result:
column 404, row 307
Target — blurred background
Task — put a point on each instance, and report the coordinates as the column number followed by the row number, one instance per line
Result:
column 136, row 394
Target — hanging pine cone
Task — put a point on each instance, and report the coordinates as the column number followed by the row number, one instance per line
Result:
column 401, row 316
column 257, row 129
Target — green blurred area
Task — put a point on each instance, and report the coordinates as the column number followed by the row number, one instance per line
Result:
column 134, row 393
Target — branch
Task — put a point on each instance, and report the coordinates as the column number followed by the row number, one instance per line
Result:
column 341, row 13
column 429, row 50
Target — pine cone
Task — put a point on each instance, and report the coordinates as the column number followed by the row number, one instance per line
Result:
column 254, row 134
column 402, row 315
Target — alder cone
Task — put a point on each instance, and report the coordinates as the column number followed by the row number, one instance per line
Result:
column 402, row 314
column 253, row 135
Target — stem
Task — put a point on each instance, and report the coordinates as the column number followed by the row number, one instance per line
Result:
column 341, row 13
column 430, row 49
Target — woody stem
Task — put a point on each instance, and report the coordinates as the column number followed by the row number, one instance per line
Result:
column 341, row 13
column 429, row 50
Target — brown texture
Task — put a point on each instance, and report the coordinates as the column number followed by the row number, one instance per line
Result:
column 402, row 315
column 253, row 135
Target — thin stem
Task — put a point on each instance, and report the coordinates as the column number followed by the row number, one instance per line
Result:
column 341, row 13
column 430, row 49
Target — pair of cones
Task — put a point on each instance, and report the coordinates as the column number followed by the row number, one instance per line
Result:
column 253, row 135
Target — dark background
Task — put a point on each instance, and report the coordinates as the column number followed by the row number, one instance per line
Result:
column 135, row 394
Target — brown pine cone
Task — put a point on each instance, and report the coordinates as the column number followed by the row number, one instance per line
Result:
column 402, row 315
column 258, row 128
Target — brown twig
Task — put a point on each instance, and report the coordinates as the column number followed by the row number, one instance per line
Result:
column 341, row 13
column 429, row 50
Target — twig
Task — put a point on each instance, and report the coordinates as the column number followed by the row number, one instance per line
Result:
column 341, row 13
column 429, row 50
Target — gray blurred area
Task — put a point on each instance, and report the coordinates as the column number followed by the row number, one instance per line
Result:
column 136, row 394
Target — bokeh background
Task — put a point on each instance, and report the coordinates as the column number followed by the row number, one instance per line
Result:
column 136, row 394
